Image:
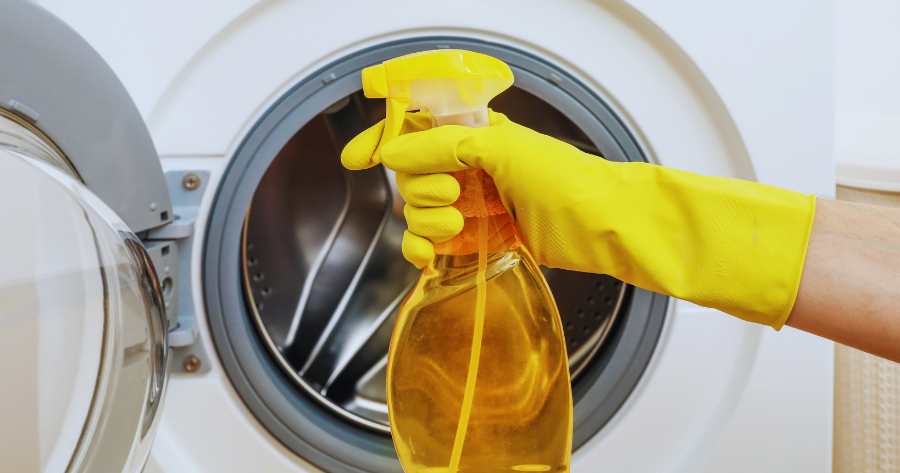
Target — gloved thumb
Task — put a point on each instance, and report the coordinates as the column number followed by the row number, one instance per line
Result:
column 448, row 148
column 427, row 152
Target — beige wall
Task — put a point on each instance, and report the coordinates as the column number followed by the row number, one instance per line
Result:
column 866, row 391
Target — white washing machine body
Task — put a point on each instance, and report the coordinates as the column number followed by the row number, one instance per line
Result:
column 720, row 88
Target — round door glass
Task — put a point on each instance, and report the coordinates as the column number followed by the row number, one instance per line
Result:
column 82, row 330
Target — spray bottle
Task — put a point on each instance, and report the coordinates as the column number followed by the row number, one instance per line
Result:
column 477, row 375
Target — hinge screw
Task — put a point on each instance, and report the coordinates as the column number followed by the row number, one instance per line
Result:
column 191, row 181
column 191, row 363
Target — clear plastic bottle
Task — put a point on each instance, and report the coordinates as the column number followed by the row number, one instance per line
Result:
column 477, row 375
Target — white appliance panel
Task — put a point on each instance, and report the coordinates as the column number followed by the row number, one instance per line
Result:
column 721, row 88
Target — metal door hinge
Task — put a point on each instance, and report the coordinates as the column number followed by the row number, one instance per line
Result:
column 186, row 189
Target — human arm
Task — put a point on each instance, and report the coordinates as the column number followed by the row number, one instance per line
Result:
column 850, row 286
column 733, row 245
column 836, row 275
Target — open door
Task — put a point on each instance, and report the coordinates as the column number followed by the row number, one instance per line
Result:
column 83, row 319
column 82, row 327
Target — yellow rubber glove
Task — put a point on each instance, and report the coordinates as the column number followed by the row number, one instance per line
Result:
column 733, row 245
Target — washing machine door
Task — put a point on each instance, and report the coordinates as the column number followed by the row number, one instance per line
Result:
column 82, row 327
column 82, row 314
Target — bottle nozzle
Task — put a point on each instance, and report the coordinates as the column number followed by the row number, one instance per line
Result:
column 454, row 86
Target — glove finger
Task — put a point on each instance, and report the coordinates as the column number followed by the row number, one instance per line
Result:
column 437, row 224
column 415, row 122
column 426, row 152
column 497, row 118
column 417, row 250
column 358, row 153
column 428, row 190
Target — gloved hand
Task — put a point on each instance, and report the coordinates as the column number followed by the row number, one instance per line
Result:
column 733, row 245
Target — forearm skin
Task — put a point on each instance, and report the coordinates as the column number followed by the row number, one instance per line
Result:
column 850, row 286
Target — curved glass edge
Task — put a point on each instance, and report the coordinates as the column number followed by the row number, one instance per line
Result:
column 19, row 135
column 130, row 389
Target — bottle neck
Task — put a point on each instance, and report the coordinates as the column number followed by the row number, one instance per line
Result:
column 473, row 118
column 480, row 204
column 464, row 267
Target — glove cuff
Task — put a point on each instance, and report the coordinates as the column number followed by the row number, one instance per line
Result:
column 728, row 244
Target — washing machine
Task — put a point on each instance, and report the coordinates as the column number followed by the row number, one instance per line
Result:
column 195, row 284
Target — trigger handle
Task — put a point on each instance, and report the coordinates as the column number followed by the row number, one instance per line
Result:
column 393, row 122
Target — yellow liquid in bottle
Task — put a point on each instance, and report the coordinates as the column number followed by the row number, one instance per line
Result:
column 508, row 407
